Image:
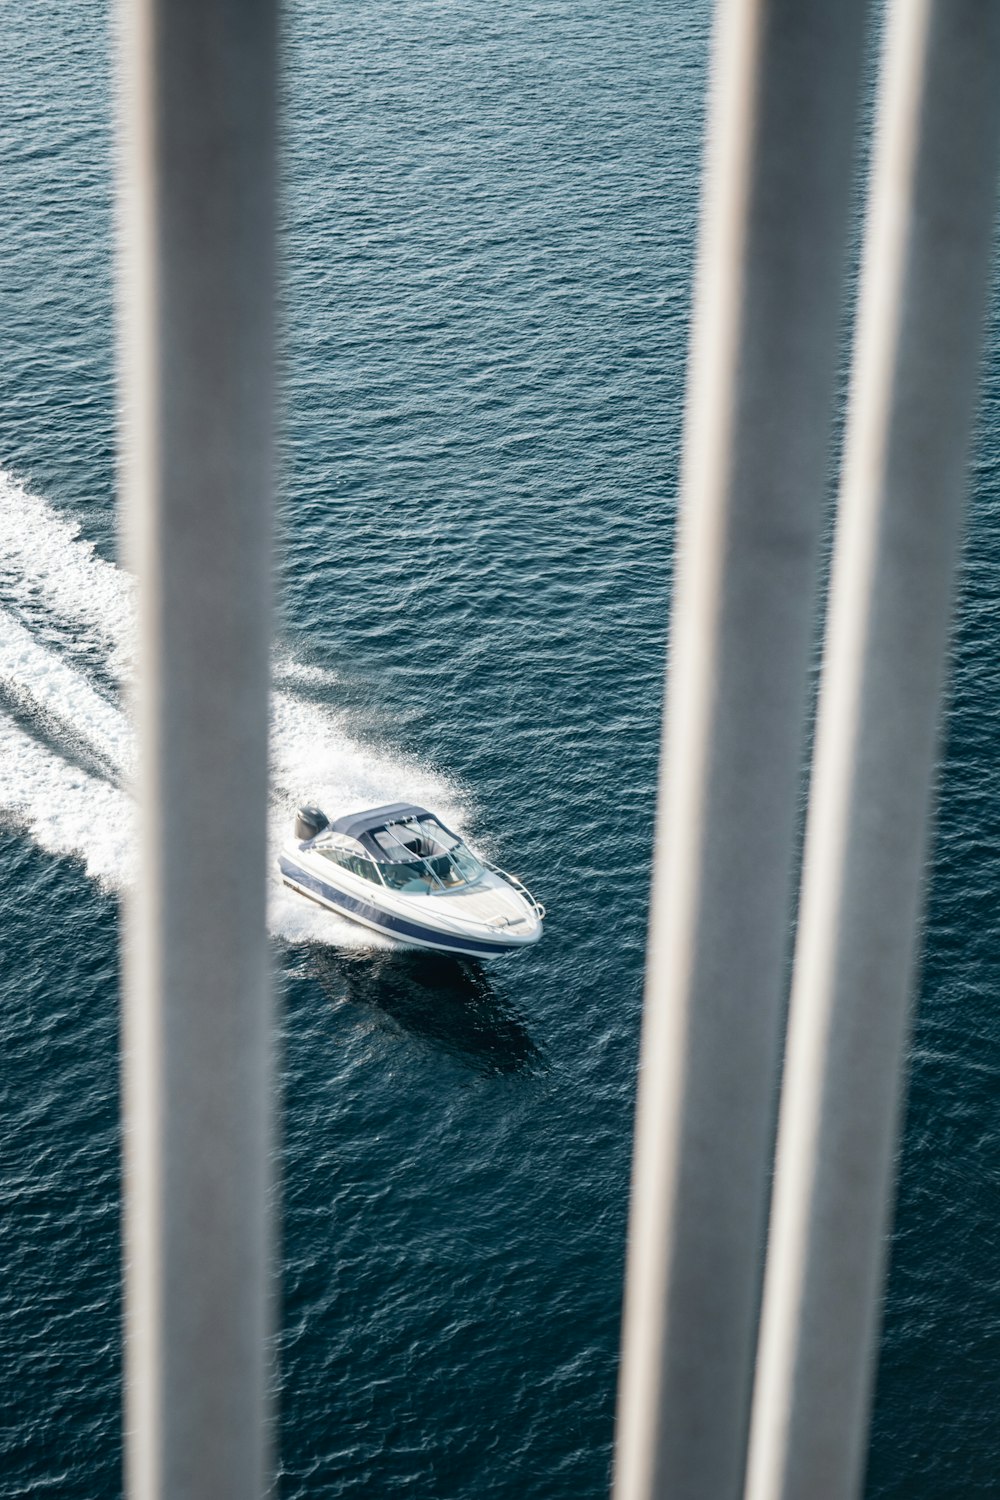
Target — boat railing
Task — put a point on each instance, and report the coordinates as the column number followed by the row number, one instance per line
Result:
column 519, row 886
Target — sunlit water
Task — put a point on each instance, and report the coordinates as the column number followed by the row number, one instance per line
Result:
column 488, row 239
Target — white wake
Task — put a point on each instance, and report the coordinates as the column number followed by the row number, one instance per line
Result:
column 67, row 652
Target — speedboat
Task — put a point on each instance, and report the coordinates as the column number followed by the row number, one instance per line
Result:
column 399, row 870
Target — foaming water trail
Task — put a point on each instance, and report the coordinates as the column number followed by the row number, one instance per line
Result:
column 287, row 671
column 54, row 585
column 40, row 680
column 46, row 565
column 65, row 809
column 314, row 759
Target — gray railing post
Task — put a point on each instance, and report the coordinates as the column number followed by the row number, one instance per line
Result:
column 919, row 341
column 197, row 210
column 784, row 96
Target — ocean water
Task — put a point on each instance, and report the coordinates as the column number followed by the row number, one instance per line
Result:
column 488, row 234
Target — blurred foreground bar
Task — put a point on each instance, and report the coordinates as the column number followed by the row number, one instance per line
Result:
column 784, row 96
column 197, row 215
column 920, row 333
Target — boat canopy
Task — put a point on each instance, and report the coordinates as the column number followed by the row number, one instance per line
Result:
column 398, row 832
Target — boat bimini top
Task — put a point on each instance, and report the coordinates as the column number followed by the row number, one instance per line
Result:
column 402, row 871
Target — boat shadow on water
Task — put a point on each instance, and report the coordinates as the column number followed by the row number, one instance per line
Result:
column 450, row 1003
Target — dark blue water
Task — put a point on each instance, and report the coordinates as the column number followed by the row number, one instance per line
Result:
column 488, row 239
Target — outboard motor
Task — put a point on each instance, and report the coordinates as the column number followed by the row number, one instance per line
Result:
column 310, row 821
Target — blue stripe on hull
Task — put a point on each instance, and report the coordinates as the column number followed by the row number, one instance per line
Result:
column 392, row 926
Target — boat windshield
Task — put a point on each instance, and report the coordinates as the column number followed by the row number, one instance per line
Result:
column 414, row 838
column 456, row 866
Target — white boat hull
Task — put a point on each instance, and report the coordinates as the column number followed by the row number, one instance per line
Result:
column 409, row 923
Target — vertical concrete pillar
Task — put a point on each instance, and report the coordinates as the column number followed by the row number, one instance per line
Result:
column 197, row 216
column 784, row 97
column 919, row 341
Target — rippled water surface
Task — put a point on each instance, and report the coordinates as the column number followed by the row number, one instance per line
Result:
column 488, row 237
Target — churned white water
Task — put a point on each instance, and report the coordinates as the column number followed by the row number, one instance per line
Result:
column 57, row 588
column 47, row 567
